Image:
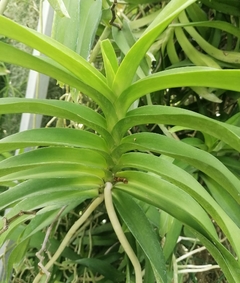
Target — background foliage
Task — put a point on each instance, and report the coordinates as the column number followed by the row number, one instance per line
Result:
column 124, row 121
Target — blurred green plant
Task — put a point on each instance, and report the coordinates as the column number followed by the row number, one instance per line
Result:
column 134, row 147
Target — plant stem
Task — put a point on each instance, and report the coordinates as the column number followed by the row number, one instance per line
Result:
column 119, row 232
column 70, row 234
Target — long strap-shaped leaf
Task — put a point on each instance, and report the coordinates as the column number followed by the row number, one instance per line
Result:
column 200, row 159
column 229, row 265
column 53, row 199
column 141, row 228
column 47, row 66
column 181, row 117
column 224, row 26
column 54, row 155
column 154, row 190
column 229, row 57
column 136, row 53
column 225, row 200
column 61, row 109
column 189, row 184
column 58, row 52
column 39, row 171
column 78, row 31
column 37, row 187
column 53, row 136
column 180, row 77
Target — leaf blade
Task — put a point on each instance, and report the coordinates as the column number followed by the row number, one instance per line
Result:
column 141, row 228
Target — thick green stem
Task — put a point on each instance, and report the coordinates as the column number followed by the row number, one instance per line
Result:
column 119, row 232
column 70, row 234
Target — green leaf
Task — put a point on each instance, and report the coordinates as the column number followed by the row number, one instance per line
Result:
column 145, row 20
column 181, row 117
column 53, row 136
column 133, row 58
column 228, row 203
column 102, row 267
column 51, row 171
column 197, row 14
column 198, row 58
column 15, row 228
column 46, row 217
column 125, row 39
column 49, row 67
column 110, row 61
column 206, row 94
column 78, row 66
column 199, row 159
column 152, row 189
column 141, row 1
column 57, row 108
column 188, row 183
column 231, row 7
column 180, row 77
column 78, row 31
column 228, row 56
column 16, row 256
column 34, row 188
column 59, row 7
column 51, row 200
column 149, row 275
column 54, row 156
column 55, row 199
column 225, row 26
column 171, row 238
column 229, row 265
column 141, row 229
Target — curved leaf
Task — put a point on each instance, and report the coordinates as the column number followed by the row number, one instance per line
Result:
column 202, row 160
column 102, row 267
column 110, row 61
column 78, row 31
column 133, row 58
column 59, row 7
column 52, row 199
column 49, row 67
column 229, row 204
column 35, row 187
column 180, row 77
column 51, row 171
column 229, row 265
column 231, row 7
column 225, row 26
column 152, row 189
column 141, row 228
column 58, row 108
column 53, row 155
column 177, row 116
column 189, row 184
column 229, row 56
column 53, row 136
column 58, row 52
